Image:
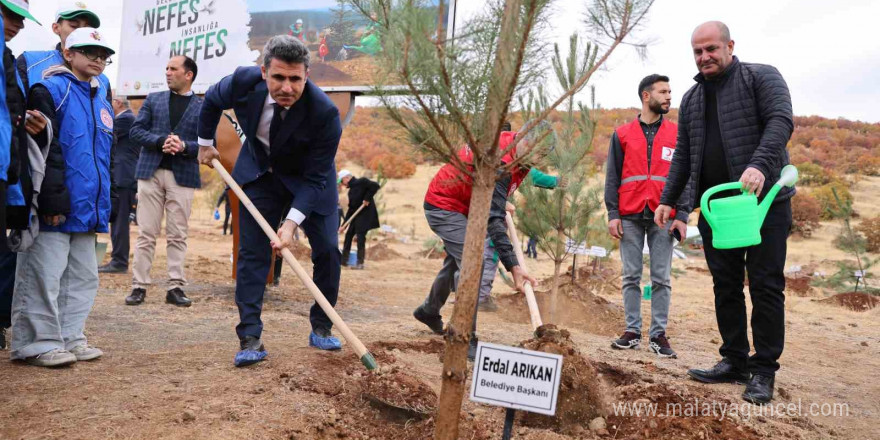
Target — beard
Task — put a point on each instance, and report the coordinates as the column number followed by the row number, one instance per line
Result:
column 657, row 107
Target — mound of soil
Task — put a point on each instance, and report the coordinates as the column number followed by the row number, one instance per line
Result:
column 857, row 301
column 381, row 252
column 430, row 255
column 597, row 278
column 799, row 285
column 683, row 421
column 395, row 389
column 577, row 306
column 581, row 394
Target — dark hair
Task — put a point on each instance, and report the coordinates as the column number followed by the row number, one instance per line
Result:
column 287, row 49
column 506, row 126
column 647, row 83
column 189, row 65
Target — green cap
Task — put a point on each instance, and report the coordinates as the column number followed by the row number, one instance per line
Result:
column 20, row 7
column 71, row 9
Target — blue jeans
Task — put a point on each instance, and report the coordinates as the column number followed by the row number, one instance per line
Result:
column 660, row 247
column 532, row 248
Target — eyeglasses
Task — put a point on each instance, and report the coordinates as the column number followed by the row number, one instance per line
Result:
column 93, row 55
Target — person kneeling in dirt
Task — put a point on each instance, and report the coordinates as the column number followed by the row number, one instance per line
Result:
column 446, row 209
column 293, row 131
column 638, row 162
column 360, row 193
column 57, row 277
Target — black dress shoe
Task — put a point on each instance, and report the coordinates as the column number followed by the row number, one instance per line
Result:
column 178, row 298
column 112, row 268
column 137, row 297
column 759, row 389
column 722, row 372
column 435, row 323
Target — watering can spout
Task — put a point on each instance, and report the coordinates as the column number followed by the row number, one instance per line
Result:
column 787, row 178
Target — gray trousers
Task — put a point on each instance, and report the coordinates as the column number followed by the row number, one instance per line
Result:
column 450, row 226
column 490, row 265
column 56, row 281
column 660, row 247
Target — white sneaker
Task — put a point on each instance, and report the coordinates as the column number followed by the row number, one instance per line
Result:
column 86, row 352
column 53, row 358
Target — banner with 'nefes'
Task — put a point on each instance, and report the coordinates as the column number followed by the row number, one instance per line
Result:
column 221, row 35
column 214, row 33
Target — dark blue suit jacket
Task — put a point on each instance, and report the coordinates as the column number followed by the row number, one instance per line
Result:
column 304, row 149
column 127, row 152
column 153, row 124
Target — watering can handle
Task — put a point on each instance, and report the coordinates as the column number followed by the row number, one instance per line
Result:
column 704, row 201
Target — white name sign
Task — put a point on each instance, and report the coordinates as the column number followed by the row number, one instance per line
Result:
column 597, row 251
column 574, row 248
column 516, row 378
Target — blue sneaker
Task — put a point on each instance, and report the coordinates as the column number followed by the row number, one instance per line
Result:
column 252, row 351
column 321, row 338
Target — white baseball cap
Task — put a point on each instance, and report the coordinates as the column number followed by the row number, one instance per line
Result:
column 20, row 7
column 343, row 174
column 87, row 37
column 71, row 9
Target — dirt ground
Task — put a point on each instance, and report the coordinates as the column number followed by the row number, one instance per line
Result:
column 168, row 373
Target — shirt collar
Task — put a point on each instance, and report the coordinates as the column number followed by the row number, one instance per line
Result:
column 189, row 93
column 270, row 101
column 655, row 124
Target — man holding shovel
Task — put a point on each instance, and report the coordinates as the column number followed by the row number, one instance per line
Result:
column 734, row 125
column 292, row 133
column 361, row 206
column 446, row 207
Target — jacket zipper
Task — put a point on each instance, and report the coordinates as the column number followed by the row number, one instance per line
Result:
column 721, row 134
column 95, row 154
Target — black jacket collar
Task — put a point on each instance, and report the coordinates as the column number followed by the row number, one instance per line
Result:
column 724, row 75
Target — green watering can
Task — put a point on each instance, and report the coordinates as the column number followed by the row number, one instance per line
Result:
column 736, row 220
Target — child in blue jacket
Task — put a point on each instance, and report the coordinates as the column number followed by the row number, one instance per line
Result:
column 57, row 277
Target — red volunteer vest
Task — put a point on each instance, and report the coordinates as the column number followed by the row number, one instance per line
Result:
column 640, row 186
column 450, row 189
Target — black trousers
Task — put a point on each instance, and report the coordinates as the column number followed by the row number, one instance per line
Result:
column 765, row 264
column 361, row 244
column 226, row 222
column 119, row 229
column 270, row 197
column 7, row 284
column 3, row 246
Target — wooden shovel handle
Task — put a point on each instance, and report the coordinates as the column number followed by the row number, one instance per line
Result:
column 534, row 313
column 366, row 358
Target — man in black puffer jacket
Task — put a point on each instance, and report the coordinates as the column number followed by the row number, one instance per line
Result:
column 734, row 125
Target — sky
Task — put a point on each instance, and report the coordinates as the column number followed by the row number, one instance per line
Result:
column 825, row 50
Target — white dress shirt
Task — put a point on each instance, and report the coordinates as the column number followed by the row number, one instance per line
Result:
column 263, row 136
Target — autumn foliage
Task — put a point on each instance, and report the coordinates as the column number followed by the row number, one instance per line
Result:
column 870, row 228
column 821, row 148
column 806, row 213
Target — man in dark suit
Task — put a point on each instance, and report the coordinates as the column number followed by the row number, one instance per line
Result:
column 292, row 132
column 168, row 174
column 125, row 160
column 360, row 193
